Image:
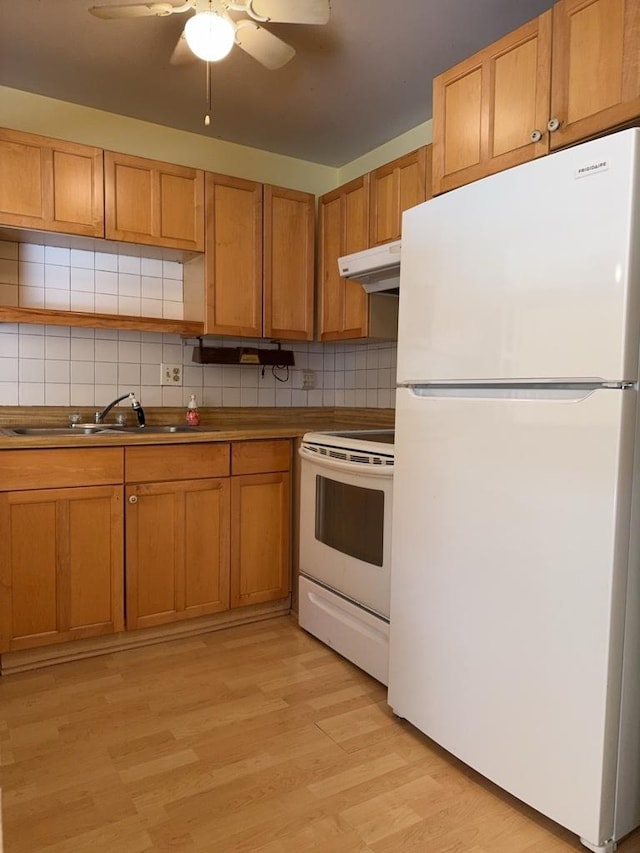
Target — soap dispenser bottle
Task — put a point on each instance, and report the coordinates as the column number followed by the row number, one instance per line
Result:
column 193, row 416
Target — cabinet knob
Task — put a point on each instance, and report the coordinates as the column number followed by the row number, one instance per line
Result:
column 536, row 135
column 133, row 499
column 553, row 125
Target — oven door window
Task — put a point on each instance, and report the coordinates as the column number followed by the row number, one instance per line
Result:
column 350, row 519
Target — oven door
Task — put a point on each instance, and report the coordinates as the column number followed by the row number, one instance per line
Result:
column 345, row 528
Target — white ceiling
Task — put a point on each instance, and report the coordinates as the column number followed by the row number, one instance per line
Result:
column 355, row 83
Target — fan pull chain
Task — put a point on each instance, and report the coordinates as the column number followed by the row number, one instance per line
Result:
column 207, row 118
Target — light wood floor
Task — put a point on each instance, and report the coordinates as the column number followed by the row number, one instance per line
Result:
column 255, row 738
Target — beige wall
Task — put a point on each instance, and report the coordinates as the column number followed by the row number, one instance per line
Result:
column 63, row 120
column 409, row 141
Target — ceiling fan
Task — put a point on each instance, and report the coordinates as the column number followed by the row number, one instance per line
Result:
column 211, row 32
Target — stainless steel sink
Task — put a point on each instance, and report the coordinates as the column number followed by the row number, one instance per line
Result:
column 99, row 429
column 56, row 431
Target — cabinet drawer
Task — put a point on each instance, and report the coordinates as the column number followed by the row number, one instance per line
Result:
column 257, row 457
column 147, row 464
column 54, row 469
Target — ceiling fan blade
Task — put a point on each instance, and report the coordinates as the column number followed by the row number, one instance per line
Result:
column 182, row 53
column 139, row 10
column 268, row 49
column 290, row 11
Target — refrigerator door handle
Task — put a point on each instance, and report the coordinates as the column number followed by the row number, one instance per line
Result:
column 562, row 393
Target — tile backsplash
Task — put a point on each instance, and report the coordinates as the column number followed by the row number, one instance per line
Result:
column 35, row 276
column 62, row 366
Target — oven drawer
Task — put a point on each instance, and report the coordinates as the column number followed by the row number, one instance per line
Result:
column 350, row 630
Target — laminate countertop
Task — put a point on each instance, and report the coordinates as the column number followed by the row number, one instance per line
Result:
column 237, row 424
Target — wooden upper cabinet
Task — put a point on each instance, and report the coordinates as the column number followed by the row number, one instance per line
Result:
column 288, row 263
column 571, row 74
column 259, row 260
column 344, row 228
column 153, row 203
column 394, row 188
column 595, row 67
column 233, row 259
column 487, row 108
column 50, row 185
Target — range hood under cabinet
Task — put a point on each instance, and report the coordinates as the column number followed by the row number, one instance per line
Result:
column 376, row 269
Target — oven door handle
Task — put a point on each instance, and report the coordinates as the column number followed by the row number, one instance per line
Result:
column 361, row 468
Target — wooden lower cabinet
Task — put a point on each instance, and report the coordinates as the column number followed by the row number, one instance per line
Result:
column 61, row 570
column 259, row 538
column 260, row 521
column 177, row 550
column 177, row 539
column 186, row 531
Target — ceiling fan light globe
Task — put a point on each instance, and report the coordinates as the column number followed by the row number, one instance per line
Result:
column 209, row 35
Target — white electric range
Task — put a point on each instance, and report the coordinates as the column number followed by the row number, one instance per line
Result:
column 345, row 543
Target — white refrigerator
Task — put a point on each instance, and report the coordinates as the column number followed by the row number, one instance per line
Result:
column 515, row 580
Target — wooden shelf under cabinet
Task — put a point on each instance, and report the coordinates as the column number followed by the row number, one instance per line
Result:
column 100, row 321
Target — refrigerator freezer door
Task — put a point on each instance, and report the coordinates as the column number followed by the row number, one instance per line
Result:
column 532, row 273
column 510, row 553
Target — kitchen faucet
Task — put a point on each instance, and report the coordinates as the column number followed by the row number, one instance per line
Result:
column 135, row 405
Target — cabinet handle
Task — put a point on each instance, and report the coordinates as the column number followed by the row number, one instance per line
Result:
column 133, row 499
column 536, row 136
column 553, row 125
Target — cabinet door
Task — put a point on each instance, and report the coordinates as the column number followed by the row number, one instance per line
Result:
column 344, row 228
column 61, row 571
column 50, row 185
column 289, row 234
column 394, row 188
column 596, row 67
column 154, row 203
column 260, row 533
column 177, row 551
column 233, row 257
column 486, row 108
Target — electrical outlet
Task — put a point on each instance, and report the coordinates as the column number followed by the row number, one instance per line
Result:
column 171, row 374
column 308, row 380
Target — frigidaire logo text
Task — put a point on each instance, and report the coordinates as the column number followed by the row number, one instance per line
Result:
column 600, row 166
